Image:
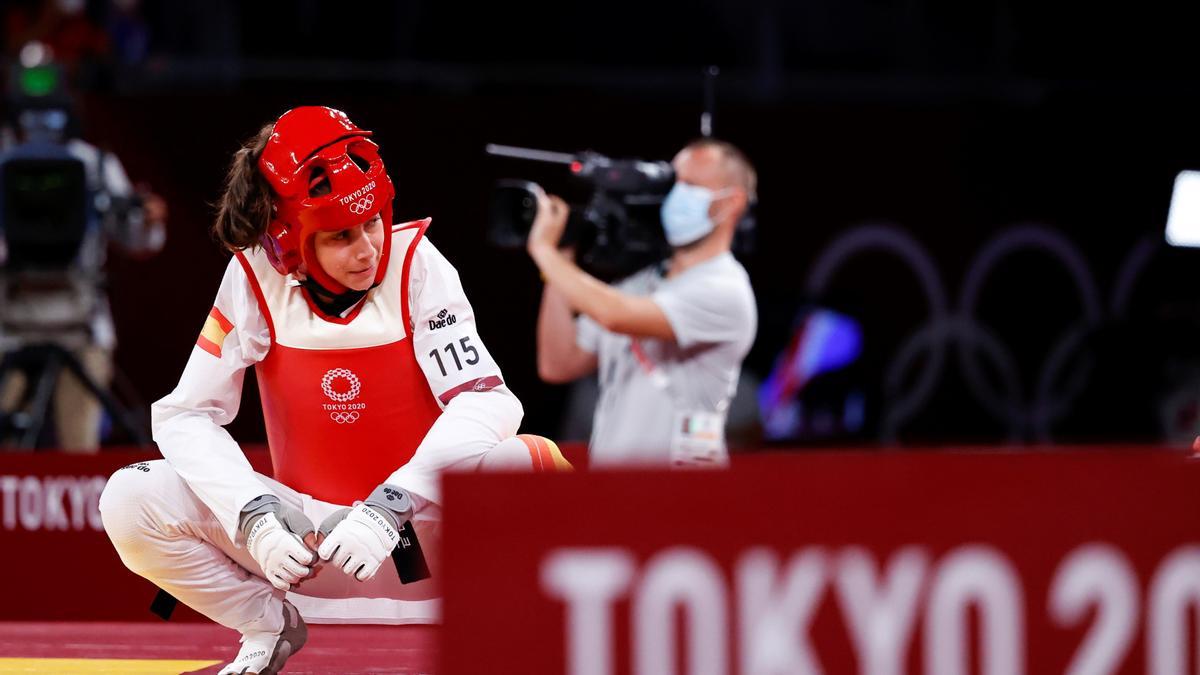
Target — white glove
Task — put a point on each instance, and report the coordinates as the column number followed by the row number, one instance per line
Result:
column 359, row 542
column 276, row 542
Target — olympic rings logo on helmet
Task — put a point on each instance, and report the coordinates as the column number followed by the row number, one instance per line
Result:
column 344, row 417
column 363, row 205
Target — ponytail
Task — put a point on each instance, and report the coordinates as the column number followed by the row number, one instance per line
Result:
column 244, row 210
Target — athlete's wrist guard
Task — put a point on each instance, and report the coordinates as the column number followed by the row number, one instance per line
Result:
column 395, row 507
column 256, row 508
column 392, row 503
column 275, row 539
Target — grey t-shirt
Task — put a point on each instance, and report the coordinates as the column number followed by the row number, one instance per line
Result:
column 712, row 312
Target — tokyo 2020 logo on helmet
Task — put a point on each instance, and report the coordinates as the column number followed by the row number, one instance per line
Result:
column 362, row 206
column 353, row 385
column 326, row 175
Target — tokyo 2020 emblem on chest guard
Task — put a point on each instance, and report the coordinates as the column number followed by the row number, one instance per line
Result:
column 342, row 386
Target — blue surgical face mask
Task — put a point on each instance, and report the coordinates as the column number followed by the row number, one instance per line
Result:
column 685, row 218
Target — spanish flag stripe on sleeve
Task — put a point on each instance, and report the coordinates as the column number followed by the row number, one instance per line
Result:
column 224, row 323
column 212, row 336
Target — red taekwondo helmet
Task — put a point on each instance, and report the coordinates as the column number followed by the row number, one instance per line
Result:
column 309, row 146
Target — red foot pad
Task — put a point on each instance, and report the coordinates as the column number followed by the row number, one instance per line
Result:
column 545, row 454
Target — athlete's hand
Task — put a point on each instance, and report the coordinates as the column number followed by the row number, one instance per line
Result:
column 282, row 544
column 549, row 223
column 358, row 540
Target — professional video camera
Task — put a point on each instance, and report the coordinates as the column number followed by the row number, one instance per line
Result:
column 54, row 211
column 615, row 233
column 53, row 217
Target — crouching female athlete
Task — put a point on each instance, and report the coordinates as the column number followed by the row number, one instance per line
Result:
column 373, row 380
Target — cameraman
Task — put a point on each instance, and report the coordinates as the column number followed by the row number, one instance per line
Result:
column 668, row 340
column 68, row 307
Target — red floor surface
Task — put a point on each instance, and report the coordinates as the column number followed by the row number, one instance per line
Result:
column 341, row 650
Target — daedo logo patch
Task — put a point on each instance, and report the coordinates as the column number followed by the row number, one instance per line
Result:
column 444, row 318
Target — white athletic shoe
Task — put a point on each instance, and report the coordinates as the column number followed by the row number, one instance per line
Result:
column 265, row 653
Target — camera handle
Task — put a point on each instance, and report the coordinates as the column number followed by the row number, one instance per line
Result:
column 530, row 153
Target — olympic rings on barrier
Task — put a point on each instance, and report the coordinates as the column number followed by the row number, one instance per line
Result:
column 971, row 338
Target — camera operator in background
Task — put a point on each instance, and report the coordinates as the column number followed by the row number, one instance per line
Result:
column 52, row 257
column 668, row 340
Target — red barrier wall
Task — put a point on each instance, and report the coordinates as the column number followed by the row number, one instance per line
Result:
column 819, row 551
column 58, row 563
column 895, row 562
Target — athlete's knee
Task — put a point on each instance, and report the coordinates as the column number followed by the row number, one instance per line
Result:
column 123, row 503
column 525, row 452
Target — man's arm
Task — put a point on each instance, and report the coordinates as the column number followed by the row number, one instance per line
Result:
column 137, row 237
column 614, row 310
column 560, row 359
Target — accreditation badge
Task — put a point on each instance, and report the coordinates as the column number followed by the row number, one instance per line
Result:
column 698, row 440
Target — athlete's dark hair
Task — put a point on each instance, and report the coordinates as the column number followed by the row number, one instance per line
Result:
column 244, row 210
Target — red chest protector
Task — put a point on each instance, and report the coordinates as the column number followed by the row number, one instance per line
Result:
column 344, row 400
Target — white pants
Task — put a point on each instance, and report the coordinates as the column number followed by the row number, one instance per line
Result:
column 164, row 533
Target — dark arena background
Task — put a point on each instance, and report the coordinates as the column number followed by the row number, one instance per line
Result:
column 962, row 438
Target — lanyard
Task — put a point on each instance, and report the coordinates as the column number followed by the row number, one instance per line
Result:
column 657, row 377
